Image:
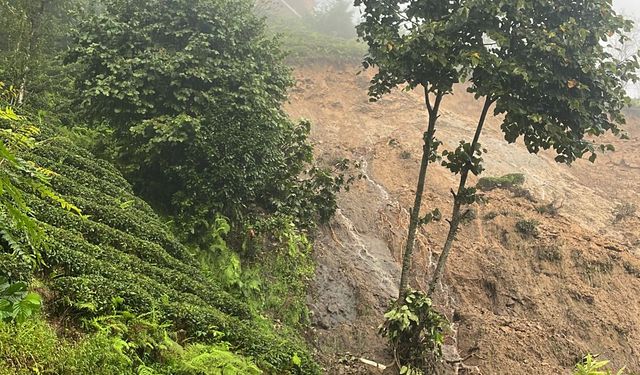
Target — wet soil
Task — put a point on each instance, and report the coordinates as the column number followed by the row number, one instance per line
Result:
column 520, row 303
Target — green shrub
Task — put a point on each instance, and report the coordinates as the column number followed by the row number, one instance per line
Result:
column 217, row 142
column 33, row 347
column 121, row 346
column 549, row 253
column 120, row 250
column 504, row 182
column 416, row 333
column 550, row 209
column 624, row 211
column 520, row 192
column 591, row 366
column 201, row 359
column 528, row 228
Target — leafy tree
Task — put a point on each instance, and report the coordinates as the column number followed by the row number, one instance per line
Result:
column 418, row 43
column 32, row 36
column 193, row 92
column 541, row 64
column 551, row 77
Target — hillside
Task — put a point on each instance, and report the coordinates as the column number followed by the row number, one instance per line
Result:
column 205, row 187
column 521, row 302
column 119, row 270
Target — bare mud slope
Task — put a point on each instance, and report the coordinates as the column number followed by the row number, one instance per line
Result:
column 520, row 304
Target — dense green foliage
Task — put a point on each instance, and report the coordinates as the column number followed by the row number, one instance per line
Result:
column 552, row 76
column 34, row 347
column 185, row 97
column 416, row 331
column 192, row 90
column 32, row 37
column 120, row 259
column 19, row 233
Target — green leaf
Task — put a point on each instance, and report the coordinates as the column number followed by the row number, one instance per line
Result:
column 296, row 360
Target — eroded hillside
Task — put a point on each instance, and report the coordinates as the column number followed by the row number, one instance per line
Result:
column 521, row 302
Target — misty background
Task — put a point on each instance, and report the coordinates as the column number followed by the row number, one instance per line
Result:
column 628, row 7
column 337, row 18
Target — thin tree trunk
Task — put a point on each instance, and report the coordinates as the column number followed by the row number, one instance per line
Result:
column 23, row 88
column 414, row 218
column 456, row 215
column 35, row 22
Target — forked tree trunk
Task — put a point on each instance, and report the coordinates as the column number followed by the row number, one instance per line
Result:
column 414, row 218
column 457, row 215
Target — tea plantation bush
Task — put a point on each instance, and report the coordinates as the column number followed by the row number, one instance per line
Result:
column 119, row 258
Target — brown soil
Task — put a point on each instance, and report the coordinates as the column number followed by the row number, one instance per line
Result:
column 520, row 304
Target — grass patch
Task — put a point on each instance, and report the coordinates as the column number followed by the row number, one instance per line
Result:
column 34, row 348
column 504, row 182
column 624, row 211
column 528, row 228
column 490, row 215
column 549, row 253
column 550, row 209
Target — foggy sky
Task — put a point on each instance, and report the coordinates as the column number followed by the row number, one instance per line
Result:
column 628, row 7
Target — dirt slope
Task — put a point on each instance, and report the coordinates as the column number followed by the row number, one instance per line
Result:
column 520, row 304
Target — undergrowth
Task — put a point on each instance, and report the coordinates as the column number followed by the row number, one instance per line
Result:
column 120, row 251
column 35, row 347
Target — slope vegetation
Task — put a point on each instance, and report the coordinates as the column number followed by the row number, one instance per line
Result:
column 118, row 269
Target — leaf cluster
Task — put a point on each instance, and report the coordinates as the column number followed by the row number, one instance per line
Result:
column 547, row 68
column 16, row 303
column 417, row 42
column 544, row 64
column 591, row 366
column 18, row 231
column 415, row 330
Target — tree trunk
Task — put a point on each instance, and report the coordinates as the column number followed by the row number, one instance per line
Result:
column 22, row 90
column 456, row 215
column 414, row 218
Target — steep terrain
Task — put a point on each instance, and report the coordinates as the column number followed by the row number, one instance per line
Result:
column 521, row 301
column 118, row 269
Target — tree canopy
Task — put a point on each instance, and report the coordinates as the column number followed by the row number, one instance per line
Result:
column 543, row 65
column 193, row 91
